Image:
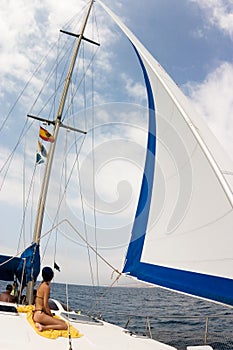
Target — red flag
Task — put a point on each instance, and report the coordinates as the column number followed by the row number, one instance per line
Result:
column 45, row 135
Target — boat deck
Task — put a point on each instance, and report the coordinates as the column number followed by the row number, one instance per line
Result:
column 16, row 332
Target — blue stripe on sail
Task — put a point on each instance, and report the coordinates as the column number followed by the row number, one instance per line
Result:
column 210, row 287
column 142, row 213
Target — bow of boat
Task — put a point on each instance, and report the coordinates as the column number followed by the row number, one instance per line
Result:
column 17, row 332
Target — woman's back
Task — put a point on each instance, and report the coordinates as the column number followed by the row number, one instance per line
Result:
column 42, row 314
column 42, row 296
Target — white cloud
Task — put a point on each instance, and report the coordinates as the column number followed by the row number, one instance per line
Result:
column 213, row 99
column 21, row 45
column 26, row 31
column 218, row 13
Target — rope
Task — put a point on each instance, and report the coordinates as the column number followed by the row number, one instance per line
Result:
column 104, row 294
column 114, row 270
column 83, row 239
column 67, row 306
column 15, row 256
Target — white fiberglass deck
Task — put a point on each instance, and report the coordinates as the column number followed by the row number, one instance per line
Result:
column 17, row 333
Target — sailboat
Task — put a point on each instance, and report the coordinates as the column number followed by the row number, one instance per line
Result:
column 185, row 201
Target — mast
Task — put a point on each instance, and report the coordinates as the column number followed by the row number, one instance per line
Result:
column 57, row 124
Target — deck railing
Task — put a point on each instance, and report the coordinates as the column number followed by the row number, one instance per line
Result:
column 181, row 331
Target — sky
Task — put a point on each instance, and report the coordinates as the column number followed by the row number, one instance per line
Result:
column 191, row 39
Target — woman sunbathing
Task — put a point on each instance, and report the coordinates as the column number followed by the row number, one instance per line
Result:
column 42, row 314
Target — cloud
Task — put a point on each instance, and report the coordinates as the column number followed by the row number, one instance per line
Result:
column 27, row 29
column 213, row 99
column 219, row 13
column 213, row 96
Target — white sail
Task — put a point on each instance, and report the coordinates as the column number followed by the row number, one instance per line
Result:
column 182, row 235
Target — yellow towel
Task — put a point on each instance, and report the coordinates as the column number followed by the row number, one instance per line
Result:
column 50, row 333
column 25, row 308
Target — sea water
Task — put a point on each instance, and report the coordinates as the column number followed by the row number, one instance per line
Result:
column 169, row 317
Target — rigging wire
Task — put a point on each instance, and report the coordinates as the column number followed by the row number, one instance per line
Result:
column 61, row 53
column 94, row 305
column 9, row 159
column 44, row 58
column 73, row 94
column 6, row 166
column 32, row 206
column 24, row 190
column 61, row 197
column 93, row 162
column 77, row 161
column 85, row 225
column 78, row 151
column 80, row 183
column 57, row 84
column 25, row 87
column 26, row 203
column 54, row 71
column 69, row 108
column 81, row 81
column 76, row 242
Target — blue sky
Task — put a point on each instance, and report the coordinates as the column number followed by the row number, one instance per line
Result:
column 191, row 39
column 182, row 37
column 199, row 58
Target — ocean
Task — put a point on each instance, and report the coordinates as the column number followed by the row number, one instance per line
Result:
column 169, row 317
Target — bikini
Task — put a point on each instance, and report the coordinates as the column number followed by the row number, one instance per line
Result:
column 41, row 310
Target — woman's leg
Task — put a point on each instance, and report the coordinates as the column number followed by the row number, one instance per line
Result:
column 44, row 322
